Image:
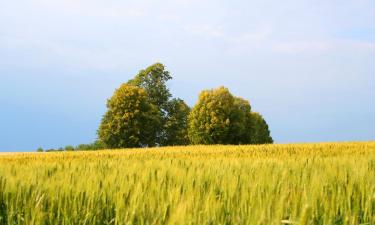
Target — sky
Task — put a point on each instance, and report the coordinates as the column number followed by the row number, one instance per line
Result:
column 308, row 66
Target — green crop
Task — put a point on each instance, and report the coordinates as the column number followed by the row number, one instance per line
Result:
column 268, row 184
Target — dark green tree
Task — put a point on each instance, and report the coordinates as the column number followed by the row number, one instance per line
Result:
column 174, row 112
column 153, row 80
column 69, row 148
column 261, row 132
column 242, row 122
column 176, row 123
column 131, row 120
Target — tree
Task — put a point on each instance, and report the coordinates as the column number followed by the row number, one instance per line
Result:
column 174, row 112
column 69, row 148
column 220, row 118
column 96, row 145
column 131, row 120
column 261, row 132
column 153, row 80
column 175, row 126
column 242, row 125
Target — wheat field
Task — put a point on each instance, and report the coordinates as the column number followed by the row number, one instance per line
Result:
column 328, row 183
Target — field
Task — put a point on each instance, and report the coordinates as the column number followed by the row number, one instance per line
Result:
column 331, row 183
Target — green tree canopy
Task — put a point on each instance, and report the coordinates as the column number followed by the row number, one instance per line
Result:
column 242, row 125
column 142, row 113
column 261, row 132
column 174, row 112
column 219, row 118
column 153, row 80
column 176, row 123
column 131, row 120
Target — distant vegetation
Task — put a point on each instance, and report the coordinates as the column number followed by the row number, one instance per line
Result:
column 264, row 184
column 143, row 113
column 97, row 145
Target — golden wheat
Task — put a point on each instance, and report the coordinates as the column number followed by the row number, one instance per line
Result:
column 327, row 183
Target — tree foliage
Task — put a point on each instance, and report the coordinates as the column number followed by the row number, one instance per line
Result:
column 153, row 80
column 131, row 120
column 221, row 118
column 174, row 112
column 261, row 132
column 96, row 145
column 142, row 113
column 176, row 123
column 69, row 148
column 242, row 124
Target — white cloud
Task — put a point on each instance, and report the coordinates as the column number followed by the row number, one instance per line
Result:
column 251, row 37
column 258, row 35
column 322, row 46
column 49, row 53
column 93, row 8
column 205, row 31
column 359, row 45
column 293, row 47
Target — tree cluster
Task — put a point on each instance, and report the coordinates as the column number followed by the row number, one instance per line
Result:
column 143, row 113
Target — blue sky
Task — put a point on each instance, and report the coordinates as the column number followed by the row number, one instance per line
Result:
column 307, row 66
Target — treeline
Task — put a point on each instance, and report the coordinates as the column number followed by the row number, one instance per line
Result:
column 97, row 145
column 143, row 113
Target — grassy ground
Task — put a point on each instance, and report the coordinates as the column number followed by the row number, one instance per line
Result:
column 272, row 184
